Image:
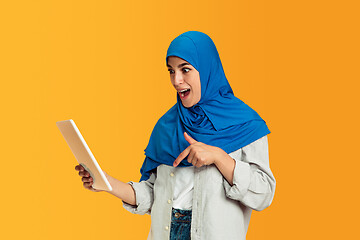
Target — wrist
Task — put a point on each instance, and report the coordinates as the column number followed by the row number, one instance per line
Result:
column 110, row 180
column 219, row 156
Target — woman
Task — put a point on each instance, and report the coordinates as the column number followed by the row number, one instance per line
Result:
column 207, row 164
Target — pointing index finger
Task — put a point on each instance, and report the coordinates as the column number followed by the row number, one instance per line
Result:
column 181, row 157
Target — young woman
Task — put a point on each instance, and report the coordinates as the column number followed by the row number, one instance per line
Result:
column 207, row 162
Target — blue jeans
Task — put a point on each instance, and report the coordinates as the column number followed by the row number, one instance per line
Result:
column 180, row 224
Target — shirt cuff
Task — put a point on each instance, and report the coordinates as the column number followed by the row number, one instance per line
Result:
column 241, row 181
column 143, row 199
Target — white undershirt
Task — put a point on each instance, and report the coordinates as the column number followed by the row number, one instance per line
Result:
column 184, row 186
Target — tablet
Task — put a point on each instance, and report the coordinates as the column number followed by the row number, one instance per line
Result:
column 83, row 154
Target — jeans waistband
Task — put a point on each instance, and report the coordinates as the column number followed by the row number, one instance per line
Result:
column 179, row 215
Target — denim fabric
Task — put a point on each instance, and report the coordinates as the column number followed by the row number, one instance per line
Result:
column 180, row 224
column 220, row 211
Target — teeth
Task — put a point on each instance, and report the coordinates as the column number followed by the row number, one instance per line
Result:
column 183, row 90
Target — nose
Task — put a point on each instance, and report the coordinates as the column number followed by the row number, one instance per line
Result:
column 178, row 78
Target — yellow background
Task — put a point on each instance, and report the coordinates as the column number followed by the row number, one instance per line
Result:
column 102, row 63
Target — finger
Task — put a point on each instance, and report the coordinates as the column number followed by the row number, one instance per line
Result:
column 79, row 168
column 194, row 162
column 181, row 156
column 87, row 179
column 94, row 190
column 189, row 139
column 87, row 185
column 84, row 174
column 191, row 157
column 199, row 164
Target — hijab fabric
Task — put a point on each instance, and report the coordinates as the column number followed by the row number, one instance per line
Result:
column 219, row 119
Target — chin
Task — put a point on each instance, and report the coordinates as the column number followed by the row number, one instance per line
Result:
column 188, row 105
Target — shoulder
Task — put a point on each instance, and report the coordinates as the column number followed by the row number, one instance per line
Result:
column 170, row 116
column 257, row 149
column 259, row 143
column 261, row 140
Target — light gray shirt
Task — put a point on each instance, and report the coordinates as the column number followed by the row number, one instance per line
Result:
column 219, row 210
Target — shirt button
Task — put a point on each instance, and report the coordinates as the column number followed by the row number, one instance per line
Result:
column 171, row 174
column 169, row 201
column 167, row 227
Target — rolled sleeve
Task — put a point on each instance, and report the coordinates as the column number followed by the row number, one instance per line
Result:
column 241, row 181
column 144, row 196
column 253, row 181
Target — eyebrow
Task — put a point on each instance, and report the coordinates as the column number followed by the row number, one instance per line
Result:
column 180, row 65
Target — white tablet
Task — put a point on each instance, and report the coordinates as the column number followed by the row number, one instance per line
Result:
column 83, row 154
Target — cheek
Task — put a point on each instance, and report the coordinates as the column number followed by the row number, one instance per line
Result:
column 198, row 88
column 195, row 83
column 199, row 93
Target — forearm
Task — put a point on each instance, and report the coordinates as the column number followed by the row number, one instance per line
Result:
column 226, row 165
column 122, row 190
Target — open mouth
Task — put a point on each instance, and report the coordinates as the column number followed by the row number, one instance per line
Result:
column 184, row 93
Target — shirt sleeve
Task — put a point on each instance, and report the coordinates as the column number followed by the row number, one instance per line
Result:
column 253, row 181
column 144, row 196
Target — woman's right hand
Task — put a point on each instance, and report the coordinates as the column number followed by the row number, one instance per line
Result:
column 86, row 178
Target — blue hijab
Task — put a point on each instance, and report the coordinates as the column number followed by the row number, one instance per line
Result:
column 218, row 119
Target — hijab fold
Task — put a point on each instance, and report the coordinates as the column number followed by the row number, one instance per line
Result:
column 219, row 119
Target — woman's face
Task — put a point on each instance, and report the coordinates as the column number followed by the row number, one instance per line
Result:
column 186, row 80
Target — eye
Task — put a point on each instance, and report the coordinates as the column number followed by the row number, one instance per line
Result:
column 187, row 70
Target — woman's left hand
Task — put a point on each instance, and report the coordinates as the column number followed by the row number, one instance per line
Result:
column 199, row 154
